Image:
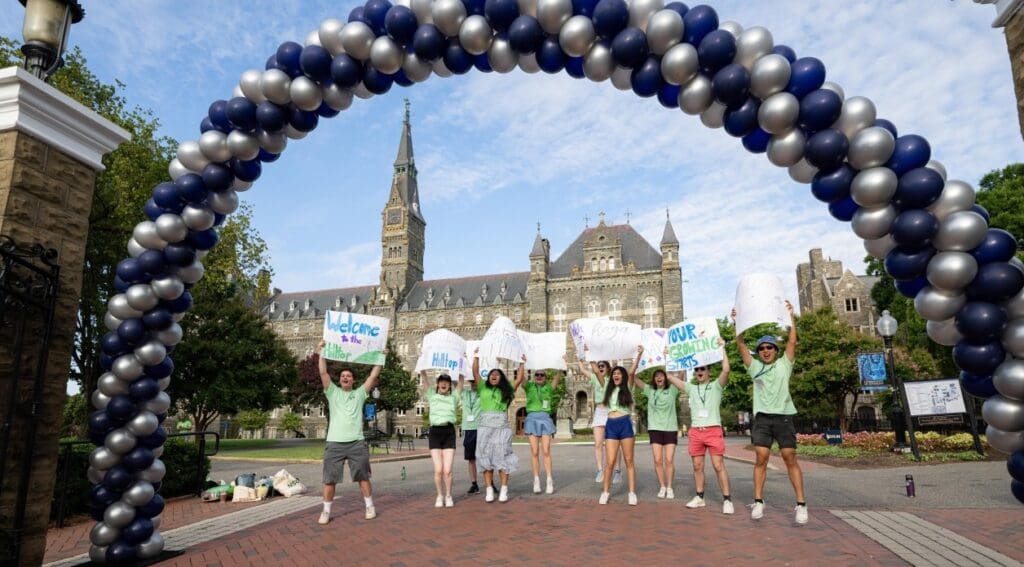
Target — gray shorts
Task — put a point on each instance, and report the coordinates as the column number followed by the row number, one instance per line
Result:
column 355, row 452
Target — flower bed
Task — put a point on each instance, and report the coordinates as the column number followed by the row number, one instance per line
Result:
column 882, row 441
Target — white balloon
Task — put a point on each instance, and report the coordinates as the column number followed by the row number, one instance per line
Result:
column 598, row 63
column 313, row 38
column 416, row 70
column 786, row 149
column 175, row 169
column 141, row 297
column 664, row 30
column 880, row 247
column 732, row 27
column 111, row 322
column 944, row 332
column 135, row 249
column 448, row 16
column 962, row 231
column 501, row 56
column 553, row 14
column 386, row 55
column 197, row 217
column 577, row 35
column 528, row 63
column 118, row 305
column 769, row 75
column 834, row 87
column 475, row 34
column 640, row 12
column 956, row 196
column 714, row 116
column 937, row 166
column 858, row 113
column 274, row 143
column 307, row 95
column 802, row 171
column 224, row 202
column 167, row 287
column 340, row 99
column 753, row 44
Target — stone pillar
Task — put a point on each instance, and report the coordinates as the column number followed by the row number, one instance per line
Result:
column 50, row 153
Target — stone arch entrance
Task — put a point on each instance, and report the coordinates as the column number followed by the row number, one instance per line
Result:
column 582, row 406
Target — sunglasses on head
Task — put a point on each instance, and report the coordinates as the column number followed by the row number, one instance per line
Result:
column 765, row 347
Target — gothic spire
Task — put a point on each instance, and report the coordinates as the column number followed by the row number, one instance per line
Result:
column 405, row 155
column 669, row 236
column 405, row 169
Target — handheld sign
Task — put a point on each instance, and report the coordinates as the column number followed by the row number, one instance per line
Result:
column 760, row 298
column 355, row 338
column 544, row 350
column 654, row 341
column 612, row 340
column 485, row 364
column 693, row 343
column 501, row 341
column 579, row 330
column 442, row 350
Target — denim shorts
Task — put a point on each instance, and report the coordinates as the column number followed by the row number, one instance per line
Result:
column 619, row 428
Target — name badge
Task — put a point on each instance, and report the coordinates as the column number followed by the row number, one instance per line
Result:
column 470, row 418
column 703, row 413
column 545, row 404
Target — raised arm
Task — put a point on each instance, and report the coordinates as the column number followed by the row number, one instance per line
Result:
column 325, row 378
column 476, row 364
column 374, row 377
column 741, row 345
column 558, row 375
column 424, row 382
column 520, row 374
column 723, row 378
column 636, row 365
column 791, row 341
column 675, row 380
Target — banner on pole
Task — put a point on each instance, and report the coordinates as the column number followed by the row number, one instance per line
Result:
column 873, row 374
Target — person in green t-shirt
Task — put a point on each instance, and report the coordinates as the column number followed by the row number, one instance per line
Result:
column 494, row 436
column 539, row 425
column 773, row 413
column 444, row 405
column 470, row 418
column 598, row 373
column 618, row 397
column 663, row 427
column 345, row 434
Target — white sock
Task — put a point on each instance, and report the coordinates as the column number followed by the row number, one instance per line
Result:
column 536, row 478
column 368, row 500
column 327, row 507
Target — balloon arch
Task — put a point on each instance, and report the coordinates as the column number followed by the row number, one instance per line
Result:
column 936, row 243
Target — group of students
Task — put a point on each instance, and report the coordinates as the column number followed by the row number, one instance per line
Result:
column 487, row 437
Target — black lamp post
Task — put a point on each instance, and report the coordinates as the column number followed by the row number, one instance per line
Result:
column 376, row 396
column 901, row 420
column 45, row 29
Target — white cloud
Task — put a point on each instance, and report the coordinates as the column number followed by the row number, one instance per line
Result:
column 354, row 265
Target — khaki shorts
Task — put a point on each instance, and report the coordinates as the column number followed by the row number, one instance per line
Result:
column 355, row 452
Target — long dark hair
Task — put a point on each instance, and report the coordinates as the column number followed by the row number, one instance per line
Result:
column 625, row 396
column 506, row 389
column 654, row 382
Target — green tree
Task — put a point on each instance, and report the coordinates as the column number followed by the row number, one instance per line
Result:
column 291, row 421
column 1001, row 192
column 252, row 420
column 76, row 413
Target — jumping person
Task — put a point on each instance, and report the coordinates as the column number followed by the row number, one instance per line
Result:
column 345, row 434
column 598, row 373
column 494, row 437
column 618, row 397
column 441, row 438
column 663, row 426
column 539, row 426
column 773, row 413
column 470, row 418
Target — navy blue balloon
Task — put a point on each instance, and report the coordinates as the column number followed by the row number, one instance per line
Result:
column 272, row 64
column 375, row 81
column 271, row 117
column 217, row 177
column 910, row 288
column 106, row 361
column 205, row 125
column 474, row 7
column 242, row 113
column 610, row 17
column 907, row 264
column 155, row 439
column 346, row 72
column 574, row 68
column 912, row 151
column 678, row 7
column 191, row 188
column 401, row 24
column 157, row 319
column 113, row 344
column 914, row 228
column 978, row 358
column 583, row 7
column 715, row 51
column 138, row 531
column 267, row 157
column 121, row 553
column 166, row 195
column 305, row 121
column 219, row 218
column 482, row 64
column 819, row 109
column 843, row 209
column 376, row 12
column 525, row 34
column 152, row 508
column 100, row 422
column 120, row 285
column 428, row 43
column 918, row 188
column 152, row 210
column 646, row 78
column 1015, row 465
column 888, row 125
column 827, row 149
column 1017, row 489
column 179, row 254
column 218, row 115
column 102, row 495
column 981, row 211
column 457, row 59
column 356, row 15
column 130, row 270
column 246, row 170
column 152, row 261
column 121, row 407
column 501, row 13
column 731, row 84
column 138, row 459
column 742, row 120
column 629, row 48
column 998, row 246
column 698, row 22
column 288, row 55
column 668, row 95
column 161, row 370
column 118, row 477
column 315, row 62
column 981, row 321
column 997, row 282
column 785, row 51
column 550, row 56
column 325, row 111
column 807, row 74
column 757, row 141
column 179, row 305
column 203, row 240
column 978, row 386
column 143, row 389
column 132, row 331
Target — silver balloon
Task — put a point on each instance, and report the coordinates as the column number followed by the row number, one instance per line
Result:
column 156, row 519
column 802, row 171
column 120, row 441
column 119, row 515
column 141, row 297
column 223, row 202
column 871, row 147
column 1016, row 263
column 937, row 166
column 191, row 273
column 103, row 458
column 870, row 224
column 952, row 271
column 475, row 34
column 1008, row 442
column 177, row 317
column 528, row 63
column 778, row 113
column 834, row 87
column 135, row 249
column 313, row 38
column 769, row 75
column 357, row 39
column 1013, row 337
column 306, row 94
column 696, row 96
column 552, row 15
column 962, row 230
column 858, row 113
column 126, row 367
column 437, row 66
column 330, row 36
column 956, row 196
column 448, row 16
column 171, row 335
column 385, row 55
column 242, row 145
column 214, row 145
column 158, row 405
column 236, row 92
column 680, row 65
column 170, row 227
column 145, row 234
column 167, row 287
column 176, row 170
column 274, row 143
column 938, row 305
column 527, row 7
column 198, row 217
column 191, row 156
column 152, row 546
column 664, row 30
column 501, row 56
column 422, row 10
column 143, row 424
column 786, row 149
column 98, row 554
column 111, row 385
column 577, row 35
column 338, row 98
column 237, row 185
column 714, row 116
column 94, row 475
column 640, row 12
column 102, row 534
column 118, row 305
column 275, row 84
column 1003, row 413
column 139, row 493
column 622, row 78
column 111, row 322
column 880, row 247
column 1009, row 379
column 753, row 44
column 944, row 332
column 151, row 353
column 598, row 63
column 733, row 28
column 164, row 383
column 155, row 472
column 874, row 187
column 99, row 400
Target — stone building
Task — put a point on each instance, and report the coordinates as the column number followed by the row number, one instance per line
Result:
column 822, row 282
column 608, row 270
column 1010, row 17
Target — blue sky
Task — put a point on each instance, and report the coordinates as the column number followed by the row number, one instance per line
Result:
column 499, row 153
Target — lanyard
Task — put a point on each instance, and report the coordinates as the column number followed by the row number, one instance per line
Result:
column 703, row 397
column 764, row 369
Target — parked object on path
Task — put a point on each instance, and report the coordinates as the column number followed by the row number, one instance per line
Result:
column 244, row 494
column 911, row 490
column 218, row 492
column 286, row 484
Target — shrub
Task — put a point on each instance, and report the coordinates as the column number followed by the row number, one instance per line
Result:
column 810, row 440
column 960, row 442
column 585, row 431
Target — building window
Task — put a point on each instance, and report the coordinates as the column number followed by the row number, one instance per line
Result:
column 614, row 313
column 403, row 348
column 401, row 429
column 323, row 411
column 459, row 318
column 419, row 410
column 650, row 312
column 611, row 263
column 423, row 321
column 401, row 413
column 593, row 264
column 852, row 305
column 418, row 430
column 295, row 330
column 440, row 320
column 593, row 308
column 604, row 264
column 306, row 412
column 518, row 315
column 559, row 310
column 403, row 323
column 479, row 318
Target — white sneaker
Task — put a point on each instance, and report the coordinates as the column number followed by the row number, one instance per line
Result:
column 490, row 494
column 551, row 486
column 536, row 485
column 449, row 502
column 325, row 518
column 439, row 502
column 757, row 510
column 696, row 502
column 371, row 513
column 599, row 476
column 503, row 495
column 617, row 478
column 604, row 498
column 727, row 507
column 632, row 498
column 661, row 492
column 670, row 494
column 801, row 514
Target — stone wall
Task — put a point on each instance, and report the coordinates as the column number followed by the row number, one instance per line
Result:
column 1015, row 45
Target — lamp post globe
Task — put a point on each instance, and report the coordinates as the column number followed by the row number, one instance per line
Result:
column 45, row 30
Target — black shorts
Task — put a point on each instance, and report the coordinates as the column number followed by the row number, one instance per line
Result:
column 664, row 437
column 769, row 427
column 469, row 444
column 441, row 437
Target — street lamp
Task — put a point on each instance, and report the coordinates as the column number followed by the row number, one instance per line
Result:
column 376, row 396
column 901, row 421
column 45, row 29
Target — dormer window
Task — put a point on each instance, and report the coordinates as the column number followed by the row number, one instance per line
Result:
column 430, row 294
column 504, row 288
column 483, row 291
column 273, row 307
column 293, row 305
column 339, row 301
column 353, row 301
column 308, row 305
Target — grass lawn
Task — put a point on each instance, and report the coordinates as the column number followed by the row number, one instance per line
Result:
column 246, row 444
column 280, row 449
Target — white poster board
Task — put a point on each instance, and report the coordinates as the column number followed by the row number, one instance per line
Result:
column 579, row 330
column 443, row 350
column 355, row 338
column 654, row 341
column 760, row 298
column 543, row 350
column 693, row 343
column 612, row 340
column 934, row 397
column 502, row 341
column 485, row 364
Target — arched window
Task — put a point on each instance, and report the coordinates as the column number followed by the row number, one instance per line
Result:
column 440, row 319
column 611, row 263
column 650, row 312
column 593, row 308
column 479, row 318
column 604, row 264
column 459, row 318
column 559, row 312
column 517, row 315
column 593, row 264
column 423, row 321
column 614, row 311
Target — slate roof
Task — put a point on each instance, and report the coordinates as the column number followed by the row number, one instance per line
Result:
column 313, row 304
column 634, row 249
column 467, row 291
column 538, row 247
column 868, row 281
column 669, row 236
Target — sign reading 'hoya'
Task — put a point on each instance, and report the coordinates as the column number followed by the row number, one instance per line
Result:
column 355, row 338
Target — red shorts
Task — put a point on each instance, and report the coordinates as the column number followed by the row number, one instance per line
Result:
column 706, row 438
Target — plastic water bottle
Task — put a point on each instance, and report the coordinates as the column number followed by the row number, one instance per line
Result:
column 404, row 475
column 911, row 492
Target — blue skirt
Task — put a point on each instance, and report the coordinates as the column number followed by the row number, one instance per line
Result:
column 538, row 423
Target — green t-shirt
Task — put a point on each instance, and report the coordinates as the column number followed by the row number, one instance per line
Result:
column 705, row 403
column 442, row 408
column 598, row 388
column 346, row 424
column 470, row 408
column 661, row 408
column 613, row 404
column 771, row 386
column 490, row 398
column 538, row 398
